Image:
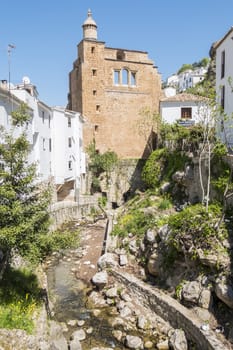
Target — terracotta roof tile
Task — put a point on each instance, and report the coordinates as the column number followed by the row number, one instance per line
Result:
column 183, row 97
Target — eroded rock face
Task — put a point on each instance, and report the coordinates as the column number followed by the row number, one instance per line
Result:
column 191, row 292
column 150, row 236
column 224, row 291
column 213, row 260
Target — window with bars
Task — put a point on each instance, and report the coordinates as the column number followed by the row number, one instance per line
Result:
column 186, row 113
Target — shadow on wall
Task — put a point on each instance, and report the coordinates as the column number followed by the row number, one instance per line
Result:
column 136, row 182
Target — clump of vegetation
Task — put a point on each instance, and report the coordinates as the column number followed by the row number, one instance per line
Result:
column 161, row 165
column 55, row 241
column 220, row 169
column 165, row 203
column 20, row 299
column 100, row 163
column 135, row 222
column 186, row 66
column 194, row 228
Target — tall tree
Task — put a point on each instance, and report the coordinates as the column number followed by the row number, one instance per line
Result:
column 23, row 203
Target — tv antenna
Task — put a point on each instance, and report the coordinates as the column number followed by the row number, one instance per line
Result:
column 9, row 49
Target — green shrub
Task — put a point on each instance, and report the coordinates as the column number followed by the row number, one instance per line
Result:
column 45, row 244
column 135, row 222
column 161, row 165
column 198, row 227
column 151, row 173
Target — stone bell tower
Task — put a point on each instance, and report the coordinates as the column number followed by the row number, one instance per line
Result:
column 110, row 87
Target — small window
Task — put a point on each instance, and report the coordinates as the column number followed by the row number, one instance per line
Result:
column 116, row 77
column 69, row 142
column 94, row 92
column 94, row 72
column 223, row 97
column 96, row 128
column 43, row 117
column 69, row 122
column 125, row 75
column 186, row 113
column 70, row 165
column 97, row 108
column 43, row 144
column 92, row 49
column 133, row 78
column 49, row 120
column 223, row 64
column 50, row 145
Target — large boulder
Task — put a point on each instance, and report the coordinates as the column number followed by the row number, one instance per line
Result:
column 133, row 342
column 177, row 340
column 107, row 260
column 100, row 279
column 191, row 292
column 153, row 265
column 58, row 340
column 224, row 291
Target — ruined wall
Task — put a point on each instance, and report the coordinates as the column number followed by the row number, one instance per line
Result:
column 123, row 181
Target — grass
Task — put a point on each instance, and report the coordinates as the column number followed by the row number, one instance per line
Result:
column 20, row 298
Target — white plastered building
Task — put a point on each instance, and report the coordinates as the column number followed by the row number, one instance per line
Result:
column 186, row 109
column 224, row 87
column 55, row 137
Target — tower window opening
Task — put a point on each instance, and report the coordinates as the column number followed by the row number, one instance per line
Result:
column 125, row 76
column 133, row 78
column 116, row 77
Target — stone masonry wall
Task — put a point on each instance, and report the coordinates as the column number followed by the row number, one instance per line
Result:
column 172, row 311
column 111, row 110
column 65, row 211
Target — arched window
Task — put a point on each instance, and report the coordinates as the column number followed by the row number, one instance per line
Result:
column 125, row 76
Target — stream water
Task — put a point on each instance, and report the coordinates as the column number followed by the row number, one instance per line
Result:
column 69, row 296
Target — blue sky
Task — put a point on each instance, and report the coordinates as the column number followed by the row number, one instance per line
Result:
column 46, row 34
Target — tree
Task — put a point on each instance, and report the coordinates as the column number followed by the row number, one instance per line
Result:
column 148, row 126
column 23, row 203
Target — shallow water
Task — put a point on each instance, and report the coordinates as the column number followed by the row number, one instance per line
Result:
column 69, row 296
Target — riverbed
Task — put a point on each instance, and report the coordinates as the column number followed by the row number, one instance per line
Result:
column 68, row 275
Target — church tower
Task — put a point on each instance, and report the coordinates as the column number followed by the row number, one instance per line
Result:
column 110, row 87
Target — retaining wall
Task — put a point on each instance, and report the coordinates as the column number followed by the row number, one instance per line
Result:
column 65, row 211
column 172, row 311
